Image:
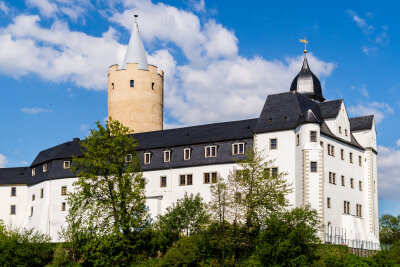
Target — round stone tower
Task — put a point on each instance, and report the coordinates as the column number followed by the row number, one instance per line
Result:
column 135, row 91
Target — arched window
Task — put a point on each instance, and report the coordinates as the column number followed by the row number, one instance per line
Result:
column 132, row 83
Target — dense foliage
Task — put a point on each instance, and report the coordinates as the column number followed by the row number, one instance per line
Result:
column 390, row 229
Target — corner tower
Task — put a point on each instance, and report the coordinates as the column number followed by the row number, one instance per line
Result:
column 136, row 90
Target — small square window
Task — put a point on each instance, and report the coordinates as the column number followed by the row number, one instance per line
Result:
column 274, row 172
column 358, row 210
column 41, row 192
column 186, row 153
column 343, row 182
column 147, row 158
column 13, row 191
column 207, row 179
column 64, row 190
column 13, row 210
column 44, row 167
column 345, row 132
column 163, row 181
column 132, row 83
column 33, row 197
column 189, row 179
column 313, row 136
column 346, row 207
column 328, row 202
column 167, row 155
column 322, row 144
column 351, row 182
column 340, row 129
column 128, row 158
column 182, row 180
column 360, row 185
column 67, row 164
column 213, row 177
column 273, row 143
column 112, row 86
column 351, row 157
column 210, row 151
column 63, row 206
column 33, row 171
column 313, row 166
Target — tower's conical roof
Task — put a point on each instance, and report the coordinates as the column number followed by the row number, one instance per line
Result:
column 135, row 52
column 307, row 83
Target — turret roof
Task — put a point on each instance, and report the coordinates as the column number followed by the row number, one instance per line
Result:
column 135, row 52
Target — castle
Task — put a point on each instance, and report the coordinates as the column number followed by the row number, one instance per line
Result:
column 330, row 159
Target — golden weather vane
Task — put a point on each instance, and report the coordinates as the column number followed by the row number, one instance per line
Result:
column 305, row 43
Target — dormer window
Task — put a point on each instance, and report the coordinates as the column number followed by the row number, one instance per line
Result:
column 67, row 164
column 33, row 171
column 238, row 148
column 128, row 158
column 147, row 158
column 186, row 153
column 210, row 151
column 44, row 167
column 132, row 83
column 167, row 155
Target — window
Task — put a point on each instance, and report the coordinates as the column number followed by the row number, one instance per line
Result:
column 185, row 179
column 13, row 191
column 297, row 139
column 33, row 171
column 359, row 161
column 186, row 153
column 41, row 193
column 358, row 210
column 167, row 155
column 274, row 172
column 345, row 132
column 63, row 206
column 342, row 154
column 328, row 202
column 360, row 185
column 163, row 181
column 33, row 197
column 340, row 129
column 128, row 158
column 64, row 190
column 237, row 148
column 44, row 167
column 13, row 210
column 132, row 83
column 313, row 166
column 346, row 207
column 147, row 158
column 210, row 177
column 210, row 151
column 332, row 178
column 152, row 86
column 67, row 164
column 112, row 86
column 313, row 136
column 343, row 183
column 331, row 150
column 273, row 143
column 322, row 144
column 351, row 182
column 351, row 157
column 31, row 211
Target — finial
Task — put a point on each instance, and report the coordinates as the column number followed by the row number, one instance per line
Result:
column 305, row 44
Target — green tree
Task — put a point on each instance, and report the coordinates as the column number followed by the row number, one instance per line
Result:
column 289, row 238
column 107, row 208
column 188, row 216
column 389, row 229
column 24, row 247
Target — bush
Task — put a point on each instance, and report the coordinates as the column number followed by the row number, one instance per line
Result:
column 185, row 252
column 24, row 247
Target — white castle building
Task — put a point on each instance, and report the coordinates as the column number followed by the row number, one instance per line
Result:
column 330, row 159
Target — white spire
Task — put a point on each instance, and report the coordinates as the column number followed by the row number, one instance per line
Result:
column 135, row 52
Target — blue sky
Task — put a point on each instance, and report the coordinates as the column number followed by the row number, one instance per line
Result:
column 221, row 60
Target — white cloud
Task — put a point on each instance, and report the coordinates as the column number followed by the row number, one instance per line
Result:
column 197, row 5
column 35, row 110
column 366, row 28
column 379, row 109
column 84, row 127
column 3, row 161
column 71, row 8
column 389, row 172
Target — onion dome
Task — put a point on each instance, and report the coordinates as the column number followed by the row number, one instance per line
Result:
column 306, row 83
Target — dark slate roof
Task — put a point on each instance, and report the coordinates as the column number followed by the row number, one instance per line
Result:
column 62, row 151
column 306, row 74
column 361, row 123
column 308, row 117
column 282, row 111
column 330, row 109
column 19, row 175
column 208, row 133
